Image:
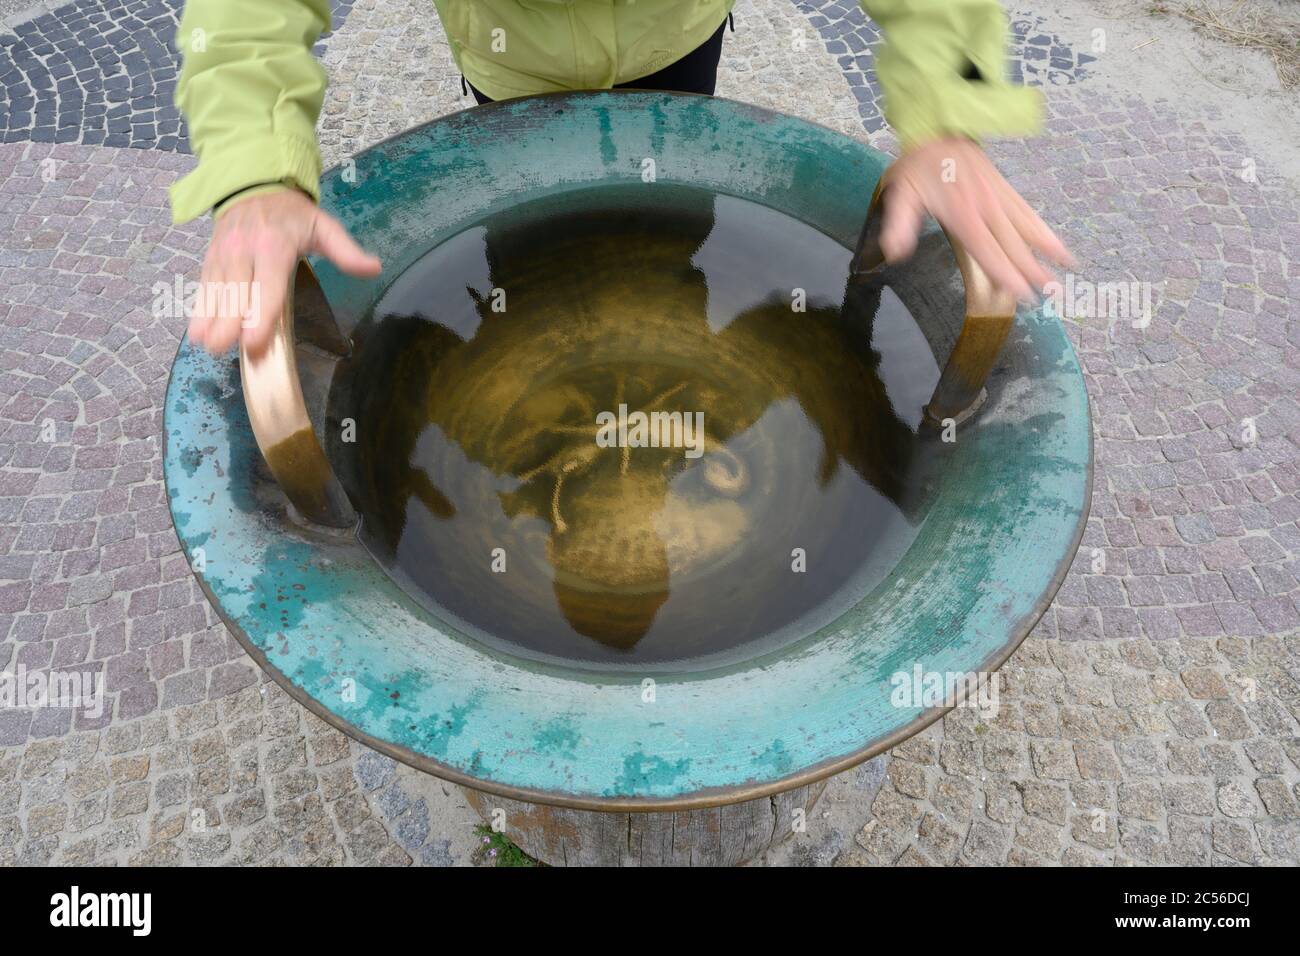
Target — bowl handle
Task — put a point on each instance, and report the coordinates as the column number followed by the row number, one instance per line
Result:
column 278, row 413
column 990, row 313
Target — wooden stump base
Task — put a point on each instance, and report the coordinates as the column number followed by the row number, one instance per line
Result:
column 715, row 836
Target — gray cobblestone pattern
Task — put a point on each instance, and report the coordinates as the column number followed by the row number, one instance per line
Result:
column 1151, row 717
column 99, row 71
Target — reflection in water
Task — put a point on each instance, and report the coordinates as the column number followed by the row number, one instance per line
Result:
column 488, row 490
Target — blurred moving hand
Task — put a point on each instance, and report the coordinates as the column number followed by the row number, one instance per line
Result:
column 256, row 244
column 955, row 182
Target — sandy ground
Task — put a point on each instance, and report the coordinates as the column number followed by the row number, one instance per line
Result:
column 1187, row 68
column 18, row 10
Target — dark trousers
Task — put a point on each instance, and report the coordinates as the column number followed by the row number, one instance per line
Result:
column 696, row 72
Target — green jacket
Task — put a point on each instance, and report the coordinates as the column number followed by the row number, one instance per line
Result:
column 251, row 90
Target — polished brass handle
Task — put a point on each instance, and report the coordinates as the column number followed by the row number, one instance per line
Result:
column 990, row 313
column 278, row 413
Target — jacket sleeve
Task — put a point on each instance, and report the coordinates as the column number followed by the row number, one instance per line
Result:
column 943, row 71
column 250, row 91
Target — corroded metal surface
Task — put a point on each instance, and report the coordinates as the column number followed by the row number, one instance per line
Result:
column 1004, row 521
column 724, row 835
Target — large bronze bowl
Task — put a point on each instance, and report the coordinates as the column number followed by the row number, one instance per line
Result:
column 263, row 508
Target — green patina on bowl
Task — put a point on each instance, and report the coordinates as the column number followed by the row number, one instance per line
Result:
column 1003, row 523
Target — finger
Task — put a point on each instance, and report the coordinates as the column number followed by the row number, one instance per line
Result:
column 904, row 212
column 1036, row 232
column 199, row 317
column 1032, row 272
column 229, row 296
column 969, row 228
column 271, row 285
column 329, row 239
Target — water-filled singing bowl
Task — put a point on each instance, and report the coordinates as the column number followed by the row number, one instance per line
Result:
column 1003, row 506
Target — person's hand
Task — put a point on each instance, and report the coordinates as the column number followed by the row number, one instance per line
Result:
column 955, row 182
column 256, row 244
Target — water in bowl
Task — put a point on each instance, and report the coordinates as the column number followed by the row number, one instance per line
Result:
column 637, row 427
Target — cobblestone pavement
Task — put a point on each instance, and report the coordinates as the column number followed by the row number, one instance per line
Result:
column 1151, row 717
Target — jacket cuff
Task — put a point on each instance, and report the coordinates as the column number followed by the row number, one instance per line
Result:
column 957, row 106
column 260, row 159
column 258, row 190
